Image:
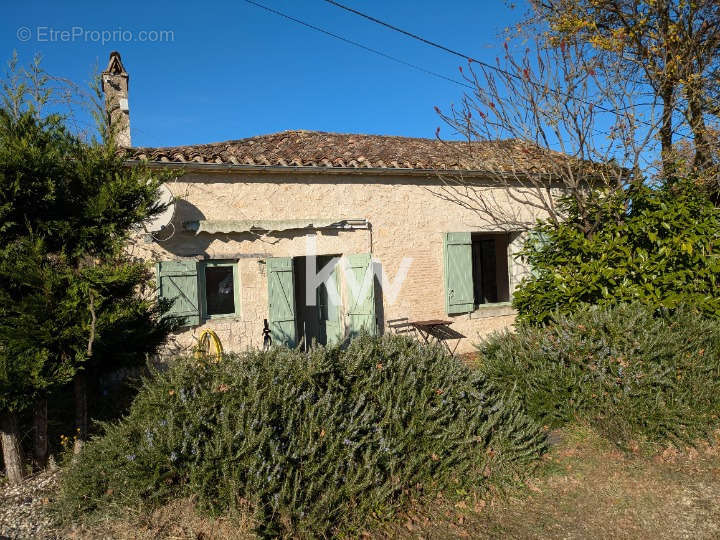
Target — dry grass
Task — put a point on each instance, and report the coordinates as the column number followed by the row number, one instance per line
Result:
column 589, row 489
column 177, row 520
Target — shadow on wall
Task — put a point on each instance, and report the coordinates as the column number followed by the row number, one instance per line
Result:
column 183, row 243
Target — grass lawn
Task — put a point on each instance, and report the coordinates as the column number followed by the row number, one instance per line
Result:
column 585, row 488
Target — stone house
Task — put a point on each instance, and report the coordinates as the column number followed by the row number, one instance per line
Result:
column 251, row 214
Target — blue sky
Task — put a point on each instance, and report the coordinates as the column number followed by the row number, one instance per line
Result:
column 232, row 70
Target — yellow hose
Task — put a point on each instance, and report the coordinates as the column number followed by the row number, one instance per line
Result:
column 207, row 339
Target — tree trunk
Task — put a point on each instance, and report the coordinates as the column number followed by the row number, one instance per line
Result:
column 12, row 453
column 81, row 415
column 667, row 94
column 81, row 410
column 668, row 86
column 40, row 437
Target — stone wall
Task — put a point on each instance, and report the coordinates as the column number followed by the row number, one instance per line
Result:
column 406, row 216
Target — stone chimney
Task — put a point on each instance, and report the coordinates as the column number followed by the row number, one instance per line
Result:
column 115, row 87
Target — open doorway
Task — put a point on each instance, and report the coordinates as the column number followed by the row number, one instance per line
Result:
column 318, row 323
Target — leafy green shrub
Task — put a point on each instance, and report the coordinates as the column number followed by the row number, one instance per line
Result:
column 316, row 443
column 627, row 370
column 650, row 245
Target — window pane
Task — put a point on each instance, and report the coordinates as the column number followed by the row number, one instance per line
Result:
column 219, row 290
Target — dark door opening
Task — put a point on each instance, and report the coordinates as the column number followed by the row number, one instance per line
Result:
column 490, row 268
column 318, row 323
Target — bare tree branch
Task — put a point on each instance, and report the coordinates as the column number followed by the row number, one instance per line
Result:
column 545, row 117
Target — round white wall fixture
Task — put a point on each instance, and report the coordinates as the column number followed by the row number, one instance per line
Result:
column 158, row 222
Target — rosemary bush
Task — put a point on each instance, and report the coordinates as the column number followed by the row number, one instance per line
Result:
column 318, row 444
column 629, row 370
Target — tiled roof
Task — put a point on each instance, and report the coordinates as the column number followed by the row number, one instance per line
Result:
column 348, row 151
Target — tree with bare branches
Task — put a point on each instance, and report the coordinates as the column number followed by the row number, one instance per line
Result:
column 671, row 46
column 607, row 135
column 570, row 127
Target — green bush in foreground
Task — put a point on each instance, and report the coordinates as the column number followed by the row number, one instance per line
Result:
column 316, row 444
column 628, row 370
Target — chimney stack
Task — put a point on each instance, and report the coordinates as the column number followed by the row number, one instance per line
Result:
column 115, row 87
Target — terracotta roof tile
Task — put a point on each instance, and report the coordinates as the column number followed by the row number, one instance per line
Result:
column 338, row 150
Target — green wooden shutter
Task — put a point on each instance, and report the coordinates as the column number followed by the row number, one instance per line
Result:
column 178, row 281
column 361, row 315
column 333, row 326
column 458, row 273
column 281, row 300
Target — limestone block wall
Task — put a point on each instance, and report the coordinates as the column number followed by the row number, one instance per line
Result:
column 407, row 221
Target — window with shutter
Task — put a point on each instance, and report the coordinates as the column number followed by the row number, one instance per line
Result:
column 219, row 289
column 178, row 281
column 281, row 300
column 491, row 275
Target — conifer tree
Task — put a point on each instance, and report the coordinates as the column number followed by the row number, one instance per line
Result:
column 71, row 298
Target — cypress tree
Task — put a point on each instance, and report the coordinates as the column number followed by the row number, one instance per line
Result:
column 68, row 289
